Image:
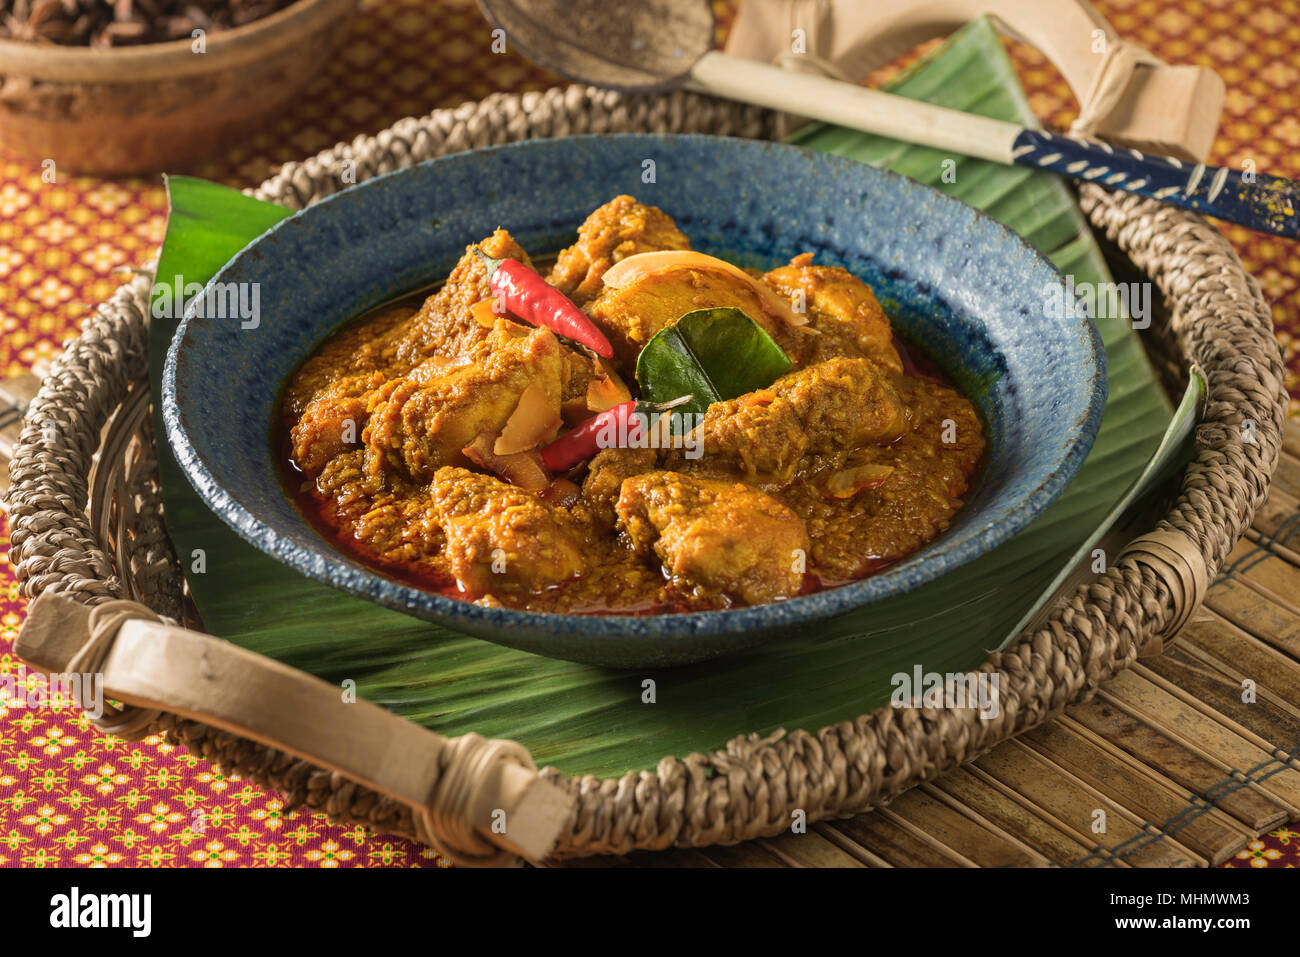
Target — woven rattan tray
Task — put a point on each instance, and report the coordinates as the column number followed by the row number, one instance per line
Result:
column 117, row 549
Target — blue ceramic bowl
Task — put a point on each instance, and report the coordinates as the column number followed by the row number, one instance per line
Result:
column 965, row 288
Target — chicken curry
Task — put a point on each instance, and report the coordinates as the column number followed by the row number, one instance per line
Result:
column 463, row 445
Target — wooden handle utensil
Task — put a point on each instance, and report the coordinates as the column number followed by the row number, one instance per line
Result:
column 1269, row 204
column 656, row 44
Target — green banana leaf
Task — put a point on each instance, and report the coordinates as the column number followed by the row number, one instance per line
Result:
column 588, row 720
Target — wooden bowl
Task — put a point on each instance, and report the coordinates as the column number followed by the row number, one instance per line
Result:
column 162, row 105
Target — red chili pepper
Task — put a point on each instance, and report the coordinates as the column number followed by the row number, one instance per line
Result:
column 583, row 442
column 533, row 299
column 623, row 421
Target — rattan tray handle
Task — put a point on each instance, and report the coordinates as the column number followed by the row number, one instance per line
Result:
column 477, row 801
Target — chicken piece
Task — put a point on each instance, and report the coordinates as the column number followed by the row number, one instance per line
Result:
column 419, row 426
column 716, row 536
column 761, row 437
column 841, row 308
column 366, row 346
column 501, row 535
column 444, row 325
column 621, row 228
column 331, row 423
column 632, row 314
column 342, row 480
column 757, row 436
column 605, row 475
column 843, row 404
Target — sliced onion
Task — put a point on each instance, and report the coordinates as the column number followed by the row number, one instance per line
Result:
column 561, row 492
column 847, row 483
column 534, row 421
column 606, row 390
column 633, row 268
column 523, row 469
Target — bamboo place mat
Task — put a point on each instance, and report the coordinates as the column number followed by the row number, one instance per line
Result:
column 1186, row 772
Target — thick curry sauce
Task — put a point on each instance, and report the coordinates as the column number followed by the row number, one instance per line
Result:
column 851, row 461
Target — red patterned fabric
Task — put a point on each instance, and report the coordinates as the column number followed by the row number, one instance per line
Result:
column 1279, row 849
column 71, row 797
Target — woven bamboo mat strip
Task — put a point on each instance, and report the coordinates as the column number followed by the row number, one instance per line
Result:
column 1187, row 769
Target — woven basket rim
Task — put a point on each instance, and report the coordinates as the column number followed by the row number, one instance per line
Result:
column 1218, row 315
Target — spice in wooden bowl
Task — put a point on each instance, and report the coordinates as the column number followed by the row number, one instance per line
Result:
column 133, row 86
column 115, row 23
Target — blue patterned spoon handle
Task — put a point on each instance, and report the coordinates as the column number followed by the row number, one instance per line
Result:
column 1269, row 204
